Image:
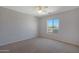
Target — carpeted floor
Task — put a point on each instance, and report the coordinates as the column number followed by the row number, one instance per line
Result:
column 39, row 45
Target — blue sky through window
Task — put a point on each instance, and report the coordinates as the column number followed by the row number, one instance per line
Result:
column 50, row 22
column 53, row 22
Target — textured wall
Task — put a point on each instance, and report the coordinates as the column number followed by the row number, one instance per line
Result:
column 69, row 27
column 15, row 26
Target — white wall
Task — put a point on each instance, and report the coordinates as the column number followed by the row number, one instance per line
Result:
column 15, row 26
column 69, row 27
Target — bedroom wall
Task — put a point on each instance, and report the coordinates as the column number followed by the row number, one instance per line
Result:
column 69, row 27
column 15, row 26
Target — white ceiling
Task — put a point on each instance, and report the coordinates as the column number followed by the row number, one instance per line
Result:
column 32, row 9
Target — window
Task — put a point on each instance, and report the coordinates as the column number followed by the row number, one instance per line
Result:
column 53, row 25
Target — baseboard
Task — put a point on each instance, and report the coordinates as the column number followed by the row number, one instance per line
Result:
column 7, row 43
column 62, row 41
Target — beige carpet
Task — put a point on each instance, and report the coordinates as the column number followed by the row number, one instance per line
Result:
column 39, row 45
